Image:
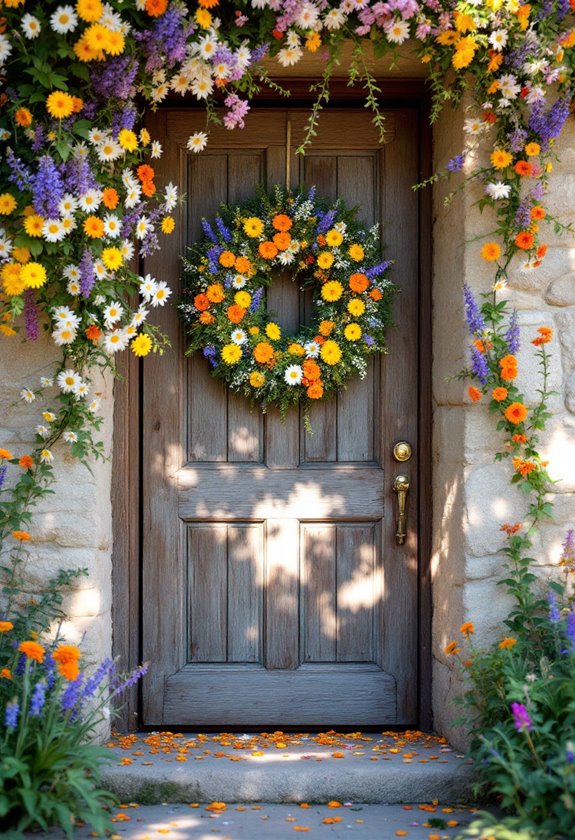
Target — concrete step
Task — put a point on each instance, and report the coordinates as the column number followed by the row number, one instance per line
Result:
column 386, row 768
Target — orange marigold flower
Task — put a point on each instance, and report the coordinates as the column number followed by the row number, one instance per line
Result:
column 66, row 657
column 524, row 240
column 510, row 529
column 155, row 8
column 6, row 626
column 474, row 393
column 524, row 467
column 358, row 282
column 482, row 346
column 507, row 643
column 208, row 4
column 315, row 391
column 206, row 318
column 26, row 462
column 267, row 250
column 201, row 302
column 467, row 628
column 215, row 293
column 21, row 536
column 499, row 394
column 545, row 336
column 515, row 413
column 326, row 327
column 263, row 352
column 451, row 649
column 538, row 213
column 23, row 117
column 491, row 251
column 145, row 172
column 541, row 251
column 227, row 259
column 32, row 650
column 148, row 188
column 321, row 240
column 495, row 61
column 282, row 222
column 235, row 313
column 311, row 370
column 519, row 438
column 375, row 294
column 110, row 198
column 282, row 241
column 5, row 674
column 242, row 264
column 523, row 167
column 93, row 332
column 94, row 227
column 6, row 454
column 508, row 361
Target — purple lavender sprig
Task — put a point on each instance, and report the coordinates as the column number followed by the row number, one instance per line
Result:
column 474, row 318
column 512, row 334
column 521, row 718
column 38, row 698
column 11, row 714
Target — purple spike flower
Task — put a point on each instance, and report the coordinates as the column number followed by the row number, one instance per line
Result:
column 11, row 715
column 207, row 228
column 473, row 316
column 479, row 365
column 18, row 172
column 554, row 614
column 456, row 163
column 256, row 299
column 136, row 674
column 71, row 695
column 567, row 558
column 368, row 340
column 105, row 669
column 48, row 187
column 210, row 354
column 3, row 470
column 327, row 221
column 521, row 718
column 87, row 274
column 378, row 269
column 30, row 315
column 570, row 629
column 512, row 334
column 38, row 698
column 224, row 232
column 549, row 125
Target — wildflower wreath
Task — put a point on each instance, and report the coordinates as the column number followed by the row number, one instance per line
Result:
column 326, row 251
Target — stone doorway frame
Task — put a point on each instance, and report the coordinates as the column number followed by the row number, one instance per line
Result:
column 127, row 612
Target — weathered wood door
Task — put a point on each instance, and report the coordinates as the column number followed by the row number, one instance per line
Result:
column 274, row 592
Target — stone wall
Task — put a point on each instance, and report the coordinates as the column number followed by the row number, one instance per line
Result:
column 73, row 527
column 472, row 493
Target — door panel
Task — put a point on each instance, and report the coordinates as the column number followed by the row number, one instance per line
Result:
column 273, row 590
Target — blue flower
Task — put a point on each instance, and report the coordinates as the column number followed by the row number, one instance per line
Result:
column 38, row 698
column 11, row 715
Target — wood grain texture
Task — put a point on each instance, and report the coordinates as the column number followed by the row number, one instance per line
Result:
column 196, row 696
column 245, row 592
column 358, row 593
column 318, row 616
column 208, row 592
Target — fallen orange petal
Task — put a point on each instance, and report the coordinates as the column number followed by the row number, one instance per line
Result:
column 216, row 806
column 334, row 804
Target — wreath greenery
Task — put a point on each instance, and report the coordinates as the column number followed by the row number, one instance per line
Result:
column 324, row 249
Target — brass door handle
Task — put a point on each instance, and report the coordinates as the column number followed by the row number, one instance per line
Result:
column 401, row 486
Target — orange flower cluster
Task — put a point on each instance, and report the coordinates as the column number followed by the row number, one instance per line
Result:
column 544, row 337
column 515, row 413
column 524, row 467
column 66, row 658
column 508, row 365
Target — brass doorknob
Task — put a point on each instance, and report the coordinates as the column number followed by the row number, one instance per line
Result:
column 402, row 451
column 401, row 486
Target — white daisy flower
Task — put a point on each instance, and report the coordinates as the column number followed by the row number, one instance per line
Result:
column 243, row 57
column 113, row 313
column 68, row 224
column 5, row 48
column 206, row 46
column 143, row 227
column 68, row 381
column 71, row 272
column 156, row 149
column 397, row 31
column 308, row 16
column 94, row 405
column 128, row 179
column 239, row 282
column 539, row 65
column 197, row 141
column 46, row 456
column 170, row 197
column 161, row 294
column 498, row 39
column 90, row 201
column 73, row 288
column 63, row 335
column 64, row 20
column 82, row 390
column 53, row 230
column 201, row 88
column 48, row 416
column 239, row 337
column 31, row 26
column 42, row 431
column 148, row 287
column 127, row 250
column 70, row 437
column 474, row 125
column 108, row 150
column 97, row 136
column 4, row 135
column 111, row 19
column 133, row 196
column 46, row 381
column 100, row 270
column 497, row 190
column 180, row 83
column 293, row 375
column 293, row 40
column 5, row 247
column 27, row 395
column 535, row 94
column 115, row 341
column 508, row 86
column 65, row 317
column 334, row 20
column 160, row 92
column 112, row 226
column 139, row 317
column 285, row 257
column 67, row 205
column 312, row 349
column 131, row 331
column 287, row 57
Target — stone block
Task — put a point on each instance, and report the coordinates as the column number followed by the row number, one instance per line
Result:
column 566, row 329
column 487, row 605
column 558, row 447
column 447, row 688
column 490, row 501
column 558, row 261
column 561, row 291
column 570, row 392
column 529, row 378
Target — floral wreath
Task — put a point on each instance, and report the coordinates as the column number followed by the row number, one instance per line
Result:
column 325, row 250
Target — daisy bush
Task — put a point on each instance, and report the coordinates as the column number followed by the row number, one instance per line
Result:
column 326, row 252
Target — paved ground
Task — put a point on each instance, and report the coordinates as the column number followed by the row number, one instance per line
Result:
column 283, row 822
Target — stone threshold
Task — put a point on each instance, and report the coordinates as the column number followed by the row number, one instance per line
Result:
column 377, row 768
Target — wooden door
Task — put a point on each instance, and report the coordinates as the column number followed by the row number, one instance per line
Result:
column 274, row 593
